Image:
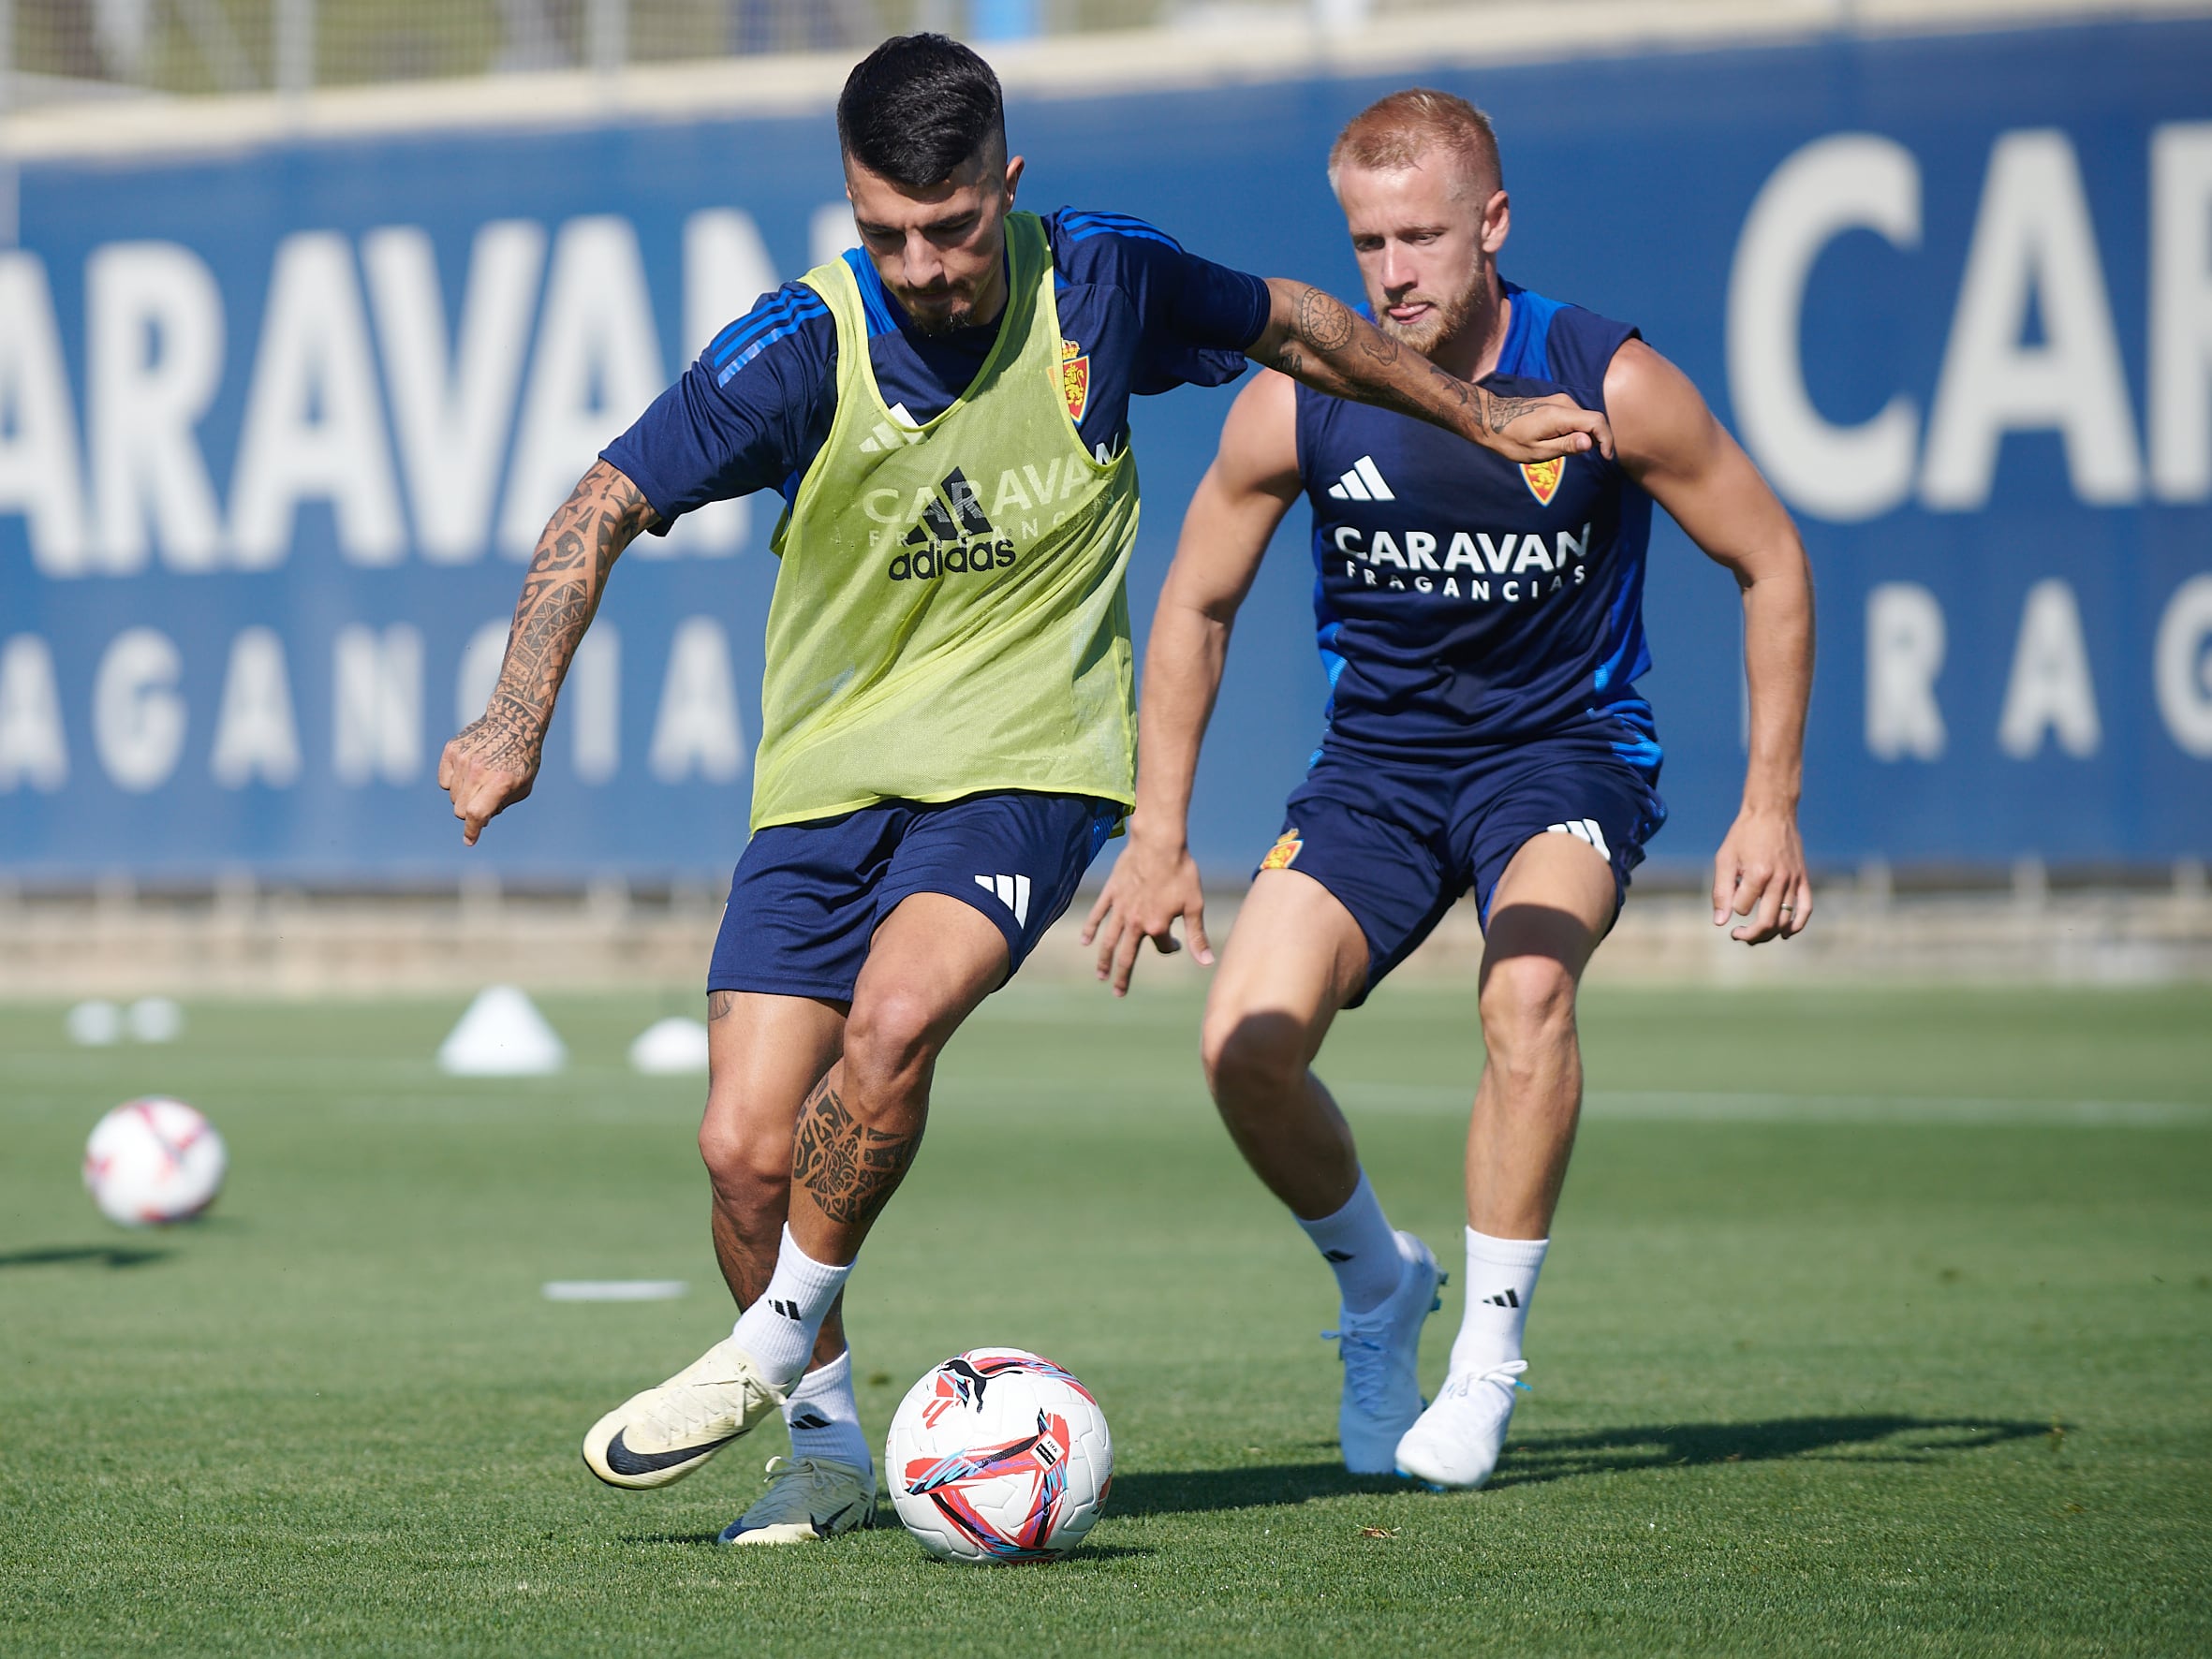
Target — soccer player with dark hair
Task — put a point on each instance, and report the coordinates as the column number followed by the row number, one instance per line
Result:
column 1480, row 618
column 948, row 735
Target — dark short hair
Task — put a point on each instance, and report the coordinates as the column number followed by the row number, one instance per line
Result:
column 916, row 108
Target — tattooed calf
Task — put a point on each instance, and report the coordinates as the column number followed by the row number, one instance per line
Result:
column 850, row 1169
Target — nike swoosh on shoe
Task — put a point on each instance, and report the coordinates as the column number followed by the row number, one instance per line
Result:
column 823, row 1529
column 624, row 1461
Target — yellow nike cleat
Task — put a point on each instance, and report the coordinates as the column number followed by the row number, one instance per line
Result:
column 662, row 1434
column 806, row 1501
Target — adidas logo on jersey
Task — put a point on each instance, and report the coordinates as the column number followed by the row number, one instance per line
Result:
column 1363, row 483
column 953, row 536
column 1011, row 891
column 884, row 436
column 1582, row 830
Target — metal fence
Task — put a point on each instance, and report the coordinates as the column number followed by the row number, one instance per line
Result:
column 71, row 50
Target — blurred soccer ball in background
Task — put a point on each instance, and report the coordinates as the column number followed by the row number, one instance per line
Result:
column 151, row 1162
column 999, row 1455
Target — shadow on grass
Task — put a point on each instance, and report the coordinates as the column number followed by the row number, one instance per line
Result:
column 1264, row 1485
column 888, row 1522
column 1542, row 1458
column 82, row 1255
column 1873, row 1438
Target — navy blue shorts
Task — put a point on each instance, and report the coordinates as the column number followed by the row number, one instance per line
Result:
column 807, row 897
column 1397, row 838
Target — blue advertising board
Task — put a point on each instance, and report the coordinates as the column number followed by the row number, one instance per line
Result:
column 278, row 426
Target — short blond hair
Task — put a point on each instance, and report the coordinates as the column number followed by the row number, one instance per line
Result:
column 1395, row 132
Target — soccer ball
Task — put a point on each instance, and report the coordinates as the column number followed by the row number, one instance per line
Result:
column 999, row 1455
column 151, row 1162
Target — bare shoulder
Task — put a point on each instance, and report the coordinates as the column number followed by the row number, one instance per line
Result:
column 1259, row 439
column 1657, row 413
column 1639, row 378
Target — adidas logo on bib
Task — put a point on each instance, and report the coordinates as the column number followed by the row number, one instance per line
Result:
column 1363, row 483
column 953, row 538
column 884, row 436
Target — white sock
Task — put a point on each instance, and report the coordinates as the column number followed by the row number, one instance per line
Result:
column 824, row 1418
column 1500, row 1281
column 778, row 1329
column 1359, row 1246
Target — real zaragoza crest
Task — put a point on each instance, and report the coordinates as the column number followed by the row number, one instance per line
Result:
column 1075, row 378
column 1543, row 477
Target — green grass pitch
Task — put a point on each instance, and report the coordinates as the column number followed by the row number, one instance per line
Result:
column 1879, row 1321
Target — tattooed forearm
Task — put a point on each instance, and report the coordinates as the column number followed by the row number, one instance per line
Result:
column 1449, row 384
column 1499, row 413
column 719, row 1003
column 1323, row 322
column 849, row 1170
column 507, row 737
column 1348, row 357
column 1315, row 339
column 601, row 517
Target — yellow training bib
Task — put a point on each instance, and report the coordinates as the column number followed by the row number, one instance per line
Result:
column 949, row 617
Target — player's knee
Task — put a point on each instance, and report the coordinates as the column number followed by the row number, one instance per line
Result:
column 745, row 1167
column 1251, row 1058
column 1528, row 1006
column 890, row 1033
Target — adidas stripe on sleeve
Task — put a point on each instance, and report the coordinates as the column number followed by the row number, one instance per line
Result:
column 748, row 415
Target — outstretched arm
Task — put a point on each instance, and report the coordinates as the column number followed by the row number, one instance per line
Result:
column 1238, row 504
column 1315, row 337
column 1672, row 444
column 493, row 763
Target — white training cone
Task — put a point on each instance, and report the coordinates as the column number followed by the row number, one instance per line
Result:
column 502, row 1036
column 670, row 1047
column 94, row 1025
column 155, row 1019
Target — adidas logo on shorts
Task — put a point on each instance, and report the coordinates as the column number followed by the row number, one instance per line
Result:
column 1584, row 830
column 1011, row 891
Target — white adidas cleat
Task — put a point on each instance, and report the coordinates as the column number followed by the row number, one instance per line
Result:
column 1379, row 1348
column 1456, row 1443
column 662, row 1434
column 808, row 1499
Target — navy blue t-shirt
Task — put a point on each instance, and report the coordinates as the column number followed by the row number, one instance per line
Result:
column 1463, row 600
column 754, row 410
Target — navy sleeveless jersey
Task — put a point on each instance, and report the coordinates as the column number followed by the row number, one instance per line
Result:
column 1463, row 600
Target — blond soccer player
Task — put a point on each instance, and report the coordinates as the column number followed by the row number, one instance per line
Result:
column 1478, row 616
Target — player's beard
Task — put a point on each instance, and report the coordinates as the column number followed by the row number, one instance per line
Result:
column 1446, row 318
column 950, row 311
